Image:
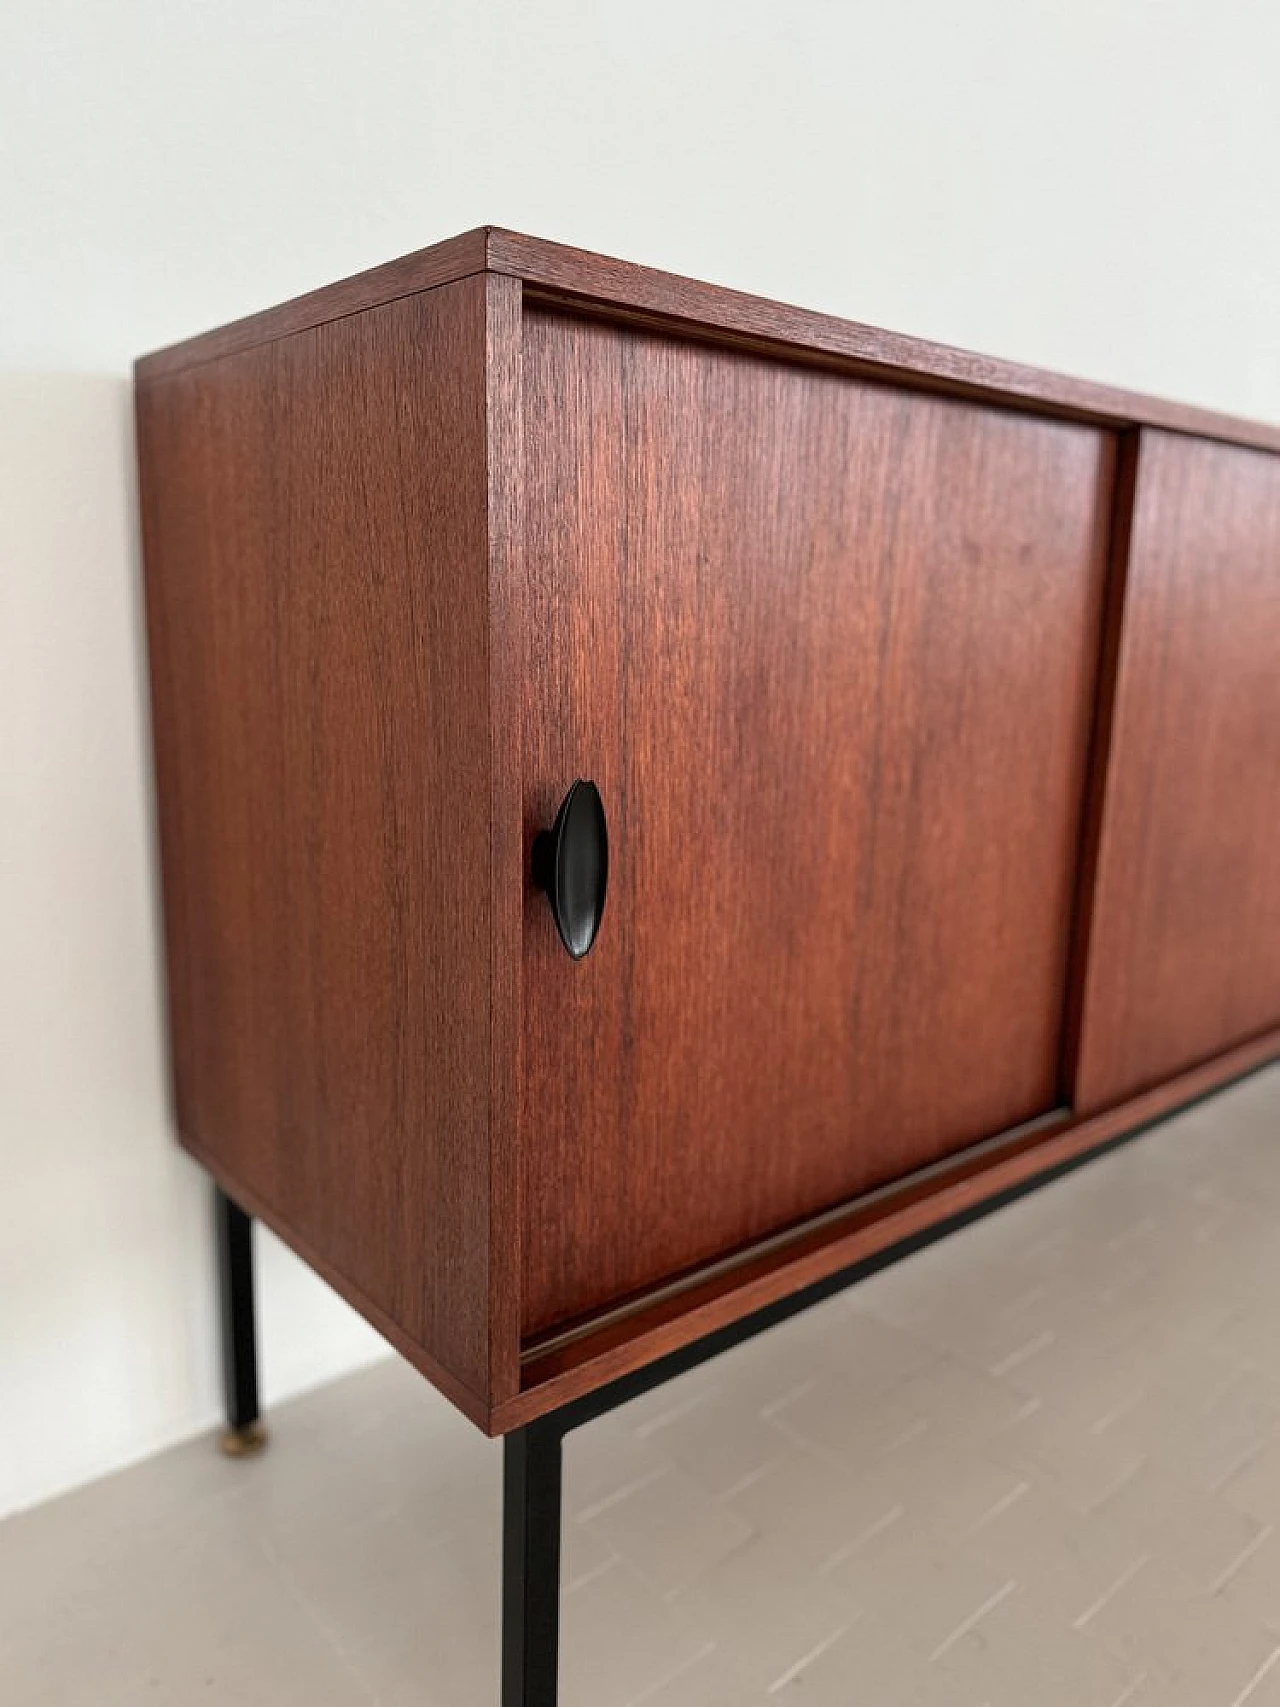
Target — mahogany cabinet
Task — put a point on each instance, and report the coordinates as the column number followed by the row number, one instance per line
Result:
column 933, row 706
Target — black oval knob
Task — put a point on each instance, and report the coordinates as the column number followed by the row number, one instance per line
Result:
column 571, row 862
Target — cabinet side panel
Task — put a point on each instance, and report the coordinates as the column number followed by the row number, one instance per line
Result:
column 315, row 544
column 1184, row 958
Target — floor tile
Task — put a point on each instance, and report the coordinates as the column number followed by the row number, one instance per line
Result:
column 1038, row 1462
column 669, row 1530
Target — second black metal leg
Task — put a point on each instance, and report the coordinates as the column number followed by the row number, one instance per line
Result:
column 233, row 1235
column 532, row 1462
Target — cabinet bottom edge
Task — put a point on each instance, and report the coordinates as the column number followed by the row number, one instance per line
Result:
column 564, row 1366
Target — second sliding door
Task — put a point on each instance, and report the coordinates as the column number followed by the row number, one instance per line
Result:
column 828, row 648
column 1184, row 960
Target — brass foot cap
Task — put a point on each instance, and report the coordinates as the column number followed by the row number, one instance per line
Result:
column 245, row 1442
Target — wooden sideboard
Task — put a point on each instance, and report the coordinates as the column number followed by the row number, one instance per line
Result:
column 934, row 708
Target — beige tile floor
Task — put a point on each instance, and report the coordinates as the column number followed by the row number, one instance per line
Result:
column 1035, row 1466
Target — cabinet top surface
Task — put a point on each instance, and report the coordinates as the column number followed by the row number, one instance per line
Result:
column 556, row 272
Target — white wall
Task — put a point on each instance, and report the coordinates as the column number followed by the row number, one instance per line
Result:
column 1087, row 185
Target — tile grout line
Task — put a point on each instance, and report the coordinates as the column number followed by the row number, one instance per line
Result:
column 874, row 1528
column 622, row 1493
column 1242, row 1558
column 973, row 1620
column 1023, row 1353
column 1130, row 1689
column 1001, row 1505
column 1256, row 1679
column 671, row 1676
column 1122, row 1581
column 792, row 1672
column 674, row 1413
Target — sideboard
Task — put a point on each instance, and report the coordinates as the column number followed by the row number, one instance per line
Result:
column 666, row 799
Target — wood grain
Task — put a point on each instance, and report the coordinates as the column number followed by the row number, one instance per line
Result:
column 443, row 263
column 507, row 648
column 1185, row 941
column 894, row 1216
column 828, row 649
column 316, row 570
column 577, row 277
column 583, row 279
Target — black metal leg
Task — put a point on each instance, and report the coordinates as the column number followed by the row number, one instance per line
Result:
column 533, row 1455
column 531, row 1564
column 233, row 1235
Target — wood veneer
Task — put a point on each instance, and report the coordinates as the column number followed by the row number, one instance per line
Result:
column 828, row 648
column 315, row 524
column 1185, row 958
column 932, row 702
column 624, row 290
column 567, row 1366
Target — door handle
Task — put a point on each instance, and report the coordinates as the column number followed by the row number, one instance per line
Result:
column 571, row 863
